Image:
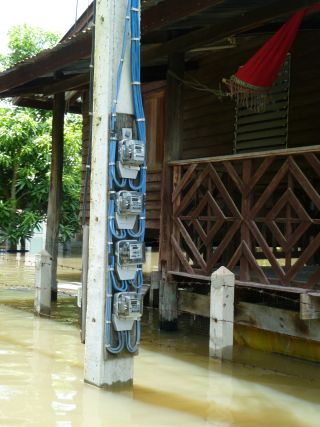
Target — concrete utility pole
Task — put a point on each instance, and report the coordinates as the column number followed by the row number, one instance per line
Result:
column 101, row 368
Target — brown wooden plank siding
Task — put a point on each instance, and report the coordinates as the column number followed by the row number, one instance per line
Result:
column 209, row 122
column 153, row 199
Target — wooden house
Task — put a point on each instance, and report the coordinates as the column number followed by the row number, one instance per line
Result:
column 235, row 188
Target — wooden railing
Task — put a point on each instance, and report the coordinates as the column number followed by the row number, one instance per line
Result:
column 257, row 214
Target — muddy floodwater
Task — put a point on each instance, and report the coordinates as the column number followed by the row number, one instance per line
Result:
column 175, row 383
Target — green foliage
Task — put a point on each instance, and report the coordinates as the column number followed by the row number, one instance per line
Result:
column 25, row 42
column 18, row 224
column 25, row 156
column 25, row 146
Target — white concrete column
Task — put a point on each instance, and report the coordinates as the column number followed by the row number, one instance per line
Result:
column 221, row 313
column 42, row 300
column 101, row 368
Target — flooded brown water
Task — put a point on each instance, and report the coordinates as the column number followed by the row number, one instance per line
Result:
column 175, row 383
column 18, row 270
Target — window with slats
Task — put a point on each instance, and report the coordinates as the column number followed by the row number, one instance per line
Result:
column 267, row 130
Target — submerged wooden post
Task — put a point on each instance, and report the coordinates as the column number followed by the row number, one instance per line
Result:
column 55, row 192
column 42, row 301
column 168, row 304
column 100, row 367
column 221, row 313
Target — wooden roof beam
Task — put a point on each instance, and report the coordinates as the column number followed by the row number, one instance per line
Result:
column 49, row 86
column 228, row 27
column 47, row 61
column 168, row 12
column 43, row 105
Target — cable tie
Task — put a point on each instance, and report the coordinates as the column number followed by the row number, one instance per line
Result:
column 112, row 164
column 111, row 217
column 110, row 243
column 142, row 217
column 115, row 101
column 141, row 120
column 144, row 167
column 88, row 167
column 136, row 83
column 135, row 39
column 113, row 138
column 90, row 113
column 91, row 66
column 108, row 345
column 135, row 9
column 111, row 268
column 109, row 295
column 121, row 59
column 114, row 114
column 128, row 17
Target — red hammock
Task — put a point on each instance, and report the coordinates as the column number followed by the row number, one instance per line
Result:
column 251, row 84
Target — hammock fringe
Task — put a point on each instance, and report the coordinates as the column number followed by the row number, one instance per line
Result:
column 253, row 98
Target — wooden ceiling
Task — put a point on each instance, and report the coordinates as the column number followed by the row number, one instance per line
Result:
column 167, row 26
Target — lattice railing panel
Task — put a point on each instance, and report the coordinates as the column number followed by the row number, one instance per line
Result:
column 259, row 217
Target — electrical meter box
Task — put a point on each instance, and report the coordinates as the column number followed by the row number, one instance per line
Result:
column 131, row 155
column 129, row 254
column 127, row 307
column 129, row 204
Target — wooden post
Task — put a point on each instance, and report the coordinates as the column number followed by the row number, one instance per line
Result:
column 221, row 314
column 168, row 303
column 245, row 212
column 55, row 192
column 101, row 368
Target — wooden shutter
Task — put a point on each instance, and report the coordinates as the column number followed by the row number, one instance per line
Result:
column 267, row 130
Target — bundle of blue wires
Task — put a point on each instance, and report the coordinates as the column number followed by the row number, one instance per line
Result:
column 124, row 339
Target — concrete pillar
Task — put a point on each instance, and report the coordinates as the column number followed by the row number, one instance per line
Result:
column 101, row 368
column 84, row 280
column 168, row 306
column 42, row 301
column 221, row 313
column 155, row 277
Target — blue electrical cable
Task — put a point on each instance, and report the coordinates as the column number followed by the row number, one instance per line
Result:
column 134, row 348
column 136, row 89
column 138, row 281
column 113, row 181
column 125, row 338
column 113, row 141
column 120, row 336
column 141, row 131
column 121, row 234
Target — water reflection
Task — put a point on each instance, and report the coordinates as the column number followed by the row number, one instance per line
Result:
column 41, row 377
column 175, row 383
column 18, row 270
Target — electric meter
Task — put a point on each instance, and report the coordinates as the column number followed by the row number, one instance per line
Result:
column 131, row 152
column 127, row 307
column 129, row 204
column 131, row 155
column 129, row 253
